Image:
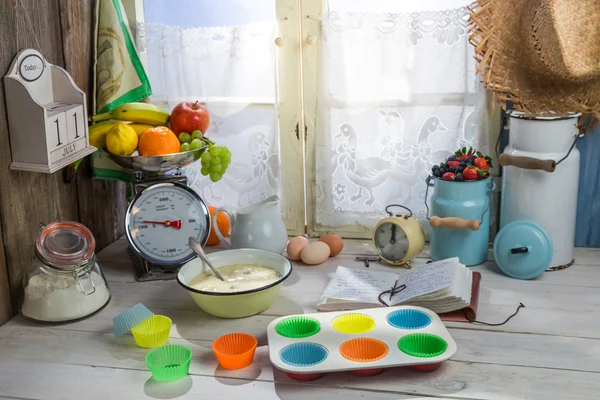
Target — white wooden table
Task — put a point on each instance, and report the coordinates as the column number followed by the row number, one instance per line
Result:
column 550, row 350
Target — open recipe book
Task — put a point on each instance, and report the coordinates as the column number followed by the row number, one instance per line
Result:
column 442, row 286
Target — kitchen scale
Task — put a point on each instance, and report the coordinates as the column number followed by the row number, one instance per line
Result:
column 163, row 214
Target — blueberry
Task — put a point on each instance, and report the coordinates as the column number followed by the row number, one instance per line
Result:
column 452, row 169
column 442, row 171
column 452, row 158
column 435, row 168
column 458, row 177
column 460, row 169
column 462, row 163
column 437, row 173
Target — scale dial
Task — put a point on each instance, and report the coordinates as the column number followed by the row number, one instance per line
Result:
column 391, row 242
column 162, row 218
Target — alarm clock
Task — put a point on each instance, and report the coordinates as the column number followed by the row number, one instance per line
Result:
column 399, row 238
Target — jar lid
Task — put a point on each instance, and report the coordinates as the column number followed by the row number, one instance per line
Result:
column 523, row 250
column 65, row 245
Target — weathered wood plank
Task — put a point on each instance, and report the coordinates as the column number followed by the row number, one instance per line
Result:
column 60, row 381
column 512, row 376
column 102, row 204
column 28, row 199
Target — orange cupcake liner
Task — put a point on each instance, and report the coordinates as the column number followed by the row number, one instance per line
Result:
column 235, row 350
column 363, row 350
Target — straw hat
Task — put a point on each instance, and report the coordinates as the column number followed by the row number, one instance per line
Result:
column 543, row 55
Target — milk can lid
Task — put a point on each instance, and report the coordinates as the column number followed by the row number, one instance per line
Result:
column 523, row 250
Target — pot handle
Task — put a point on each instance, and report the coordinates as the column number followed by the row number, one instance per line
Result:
column 454, row 223
column 527, row 162
column 430, row 183
column 215, row 226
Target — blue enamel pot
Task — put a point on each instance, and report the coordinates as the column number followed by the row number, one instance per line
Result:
column 460, row 219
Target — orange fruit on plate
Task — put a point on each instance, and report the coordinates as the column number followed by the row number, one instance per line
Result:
column 158, row 141
column 223, row 223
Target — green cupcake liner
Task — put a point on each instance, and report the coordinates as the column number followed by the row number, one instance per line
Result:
column 169, row 363
column 298, row 327
column 422, row 345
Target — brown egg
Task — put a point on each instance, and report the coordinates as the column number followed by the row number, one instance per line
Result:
column 315, row 253
column 295, row 246
column 335, row 243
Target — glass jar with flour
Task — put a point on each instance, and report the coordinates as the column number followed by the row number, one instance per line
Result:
column 65, row 282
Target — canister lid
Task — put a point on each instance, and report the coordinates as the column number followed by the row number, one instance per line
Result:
column 523, row 250
column 65, row 245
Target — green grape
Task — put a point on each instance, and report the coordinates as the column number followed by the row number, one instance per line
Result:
column 204, row 171
column 197, row 144
column 216, row 151
column 215, row 160
column 215, row 176
column 184, row 147
column 216, row 168
column 197, row 134
column 206, row 157
column 185, row 137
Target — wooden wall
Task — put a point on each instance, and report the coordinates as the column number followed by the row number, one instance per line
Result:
column 62, row 31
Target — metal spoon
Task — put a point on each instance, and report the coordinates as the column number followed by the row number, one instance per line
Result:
column 194, row 245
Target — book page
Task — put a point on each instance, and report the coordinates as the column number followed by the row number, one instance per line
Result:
column 428, row 279
column 358, row 285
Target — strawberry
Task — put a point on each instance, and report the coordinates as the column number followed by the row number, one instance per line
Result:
column 448, row 176
column 454, row 163
column 481, row 164
column 470, row 174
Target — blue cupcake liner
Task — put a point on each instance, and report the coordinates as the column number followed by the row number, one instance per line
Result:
column 408, row 319
column 303, row 354
column 123, row 322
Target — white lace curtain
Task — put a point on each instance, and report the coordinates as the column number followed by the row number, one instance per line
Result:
column 398, row 93
column 230, row 68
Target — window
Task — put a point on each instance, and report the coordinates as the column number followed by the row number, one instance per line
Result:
column 384, row 89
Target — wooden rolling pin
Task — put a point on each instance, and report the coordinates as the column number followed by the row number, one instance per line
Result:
column 454, row 223
column 527, row 162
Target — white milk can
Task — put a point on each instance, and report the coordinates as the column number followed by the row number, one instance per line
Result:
column 541, row 177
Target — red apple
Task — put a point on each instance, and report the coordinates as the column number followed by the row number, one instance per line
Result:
column 188, row 117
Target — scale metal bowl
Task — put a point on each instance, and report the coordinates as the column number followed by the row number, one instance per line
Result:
column 162, row 163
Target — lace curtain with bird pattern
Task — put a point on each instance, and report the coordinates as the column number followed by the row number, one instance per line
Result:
column 398, row 94
column 221, row 54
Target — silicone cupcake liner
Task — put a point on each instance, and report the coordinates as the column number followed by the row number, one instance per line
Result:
column 298, row 327
column 305, row 377
column 153, row 332
column 423, row 345
column 235, row 350
column 425, row 367
column 353, row 323
column 363, row 350
column 408, row 319
column 303, row 354
column 169, row 363
column 123, row 322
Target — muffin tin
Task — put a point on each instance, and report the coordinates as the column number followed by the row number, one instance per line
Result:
column 362, row 341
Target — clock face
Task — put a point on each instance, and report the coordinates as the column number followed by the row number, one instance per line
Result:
column 391, row 242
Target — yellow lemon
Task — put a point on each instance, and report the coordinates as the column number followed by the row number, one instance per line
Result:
column 121, row 140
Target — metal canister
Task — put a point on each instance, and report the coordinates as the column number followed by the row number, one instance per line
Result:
column 460, row 219
column 541, row 178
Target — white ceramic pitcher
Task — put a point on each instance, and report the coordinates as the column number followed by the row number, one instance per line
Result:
column 257, row 226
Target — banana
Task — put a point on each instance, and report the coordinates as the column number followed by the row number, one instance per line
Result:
column 140, row 128
column 99, row 131
column 143, row 113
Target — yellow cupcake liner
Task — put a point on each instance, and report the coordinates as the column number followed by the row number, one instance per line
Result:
column 153, row 332
column 353, row 324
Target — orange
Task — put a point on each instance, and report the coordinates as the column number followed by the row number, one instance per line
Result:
column 158, row 141
column 222, row 222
